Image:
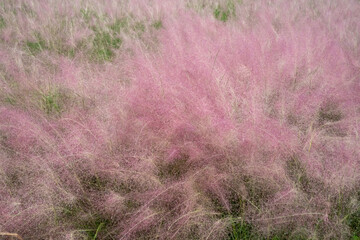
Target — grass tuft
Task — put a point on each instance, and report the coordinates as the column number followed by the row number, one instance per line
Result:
column 50, row 102
column 221, row 14
column 103, row 45
column 120, row 24
column 241, row 230
column 87, row 14
column 35, row 47
column 157, row 24
column 353, row 221
column 2, row 23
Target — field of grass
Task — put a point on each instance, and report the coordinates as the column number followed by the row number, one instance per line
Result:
column 193, row 119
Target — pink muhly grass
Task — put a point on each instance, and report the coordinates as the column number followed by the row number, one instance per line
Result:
column 131, row 121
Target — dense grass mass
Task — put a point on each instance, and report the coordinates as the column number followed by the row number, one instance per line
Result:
column 180, row 119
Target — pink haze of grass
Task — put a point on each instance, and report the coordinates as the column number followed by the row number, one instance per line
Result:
column 262, row 110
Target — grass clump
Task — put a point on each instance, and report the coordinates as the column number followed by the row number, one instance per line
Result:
column 83, row 217
column 224, row 13
column 103, row 45
column 119, row 25
column 345, row 209
column 11, row 100
column 221, row 14
column 157, row 24
column 60, row 47
column 37, row 46
column 54, row 101
column 94, row 227
column 139, row 27
column 2, row 23
column 353, row 221
column 87, row 14
column 50, row 102
column 241, row 230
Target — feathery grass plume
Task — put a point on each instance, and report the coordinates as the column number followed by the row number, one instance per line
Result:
column 189, row 120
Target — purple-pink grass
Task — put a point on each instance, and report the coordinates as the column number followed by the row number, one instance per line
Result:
column 180, row 120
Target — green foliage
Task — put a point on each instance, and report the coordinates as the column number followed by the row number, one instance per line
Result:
column 340, row 206
column 53, row 101
column 25, row 8
column 343, row 208
column 157, row 24
column 119, row 25
column 60, row 47
column 98, row 229
column 104, row 40
column 50, row 102
column 70, row 52
column 196, row 5
column 94, row 226
column 10, row 100
column 66, row 51
column 87, row 14
column 231, row 8
column 103, row 45
column 2, row 23
column 102, row 54
column 241, row 230
column 35, row 47
column 116, row 43
column 139, row 27
column 102, row 50
column 353, row 221
column 223, row 13
column 220, row 14
column 82, row 217
column 290, row 235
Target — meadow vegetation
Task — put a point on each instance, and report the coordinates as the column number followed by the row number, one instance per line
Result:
column 180, row 119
